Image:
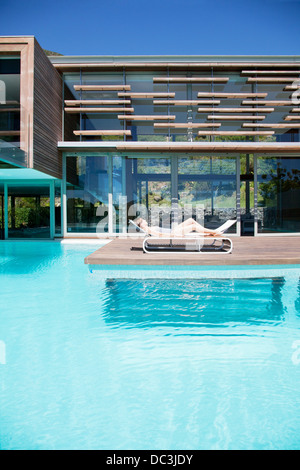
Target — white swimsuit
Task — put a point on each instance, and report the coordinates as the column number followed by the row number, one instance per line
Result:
column 162, row 230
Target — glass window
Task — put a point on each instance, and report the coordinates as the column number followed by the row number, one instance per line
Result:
column 235, row 85
column 28, row 212
column 276, row 92
column 58, row 208
column 142, row 82
column 148, row 189
column 87, row 194
column 93, row 98
column 119, row 201
column 10, row 100
column 247, row 194
column 207, row 189
column 278, row 194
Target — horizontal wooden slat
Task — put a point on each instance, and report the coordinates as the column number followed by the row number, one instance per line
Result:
column 95, row 133
column 235, row 110
column 145, row 118
column 95, row 102
column 236, row 118
column 190, row 79
column 232, row 95
column 147, row 95
column 269, row 102
column 233, row 133
column 187, row 125
column 271, row 79
column 292, row 118
column 296, row 110
column 9, row 133
column 98, row 110
column 10, row 103
column 292, row 87
column 185, row 102
column 9, row 110
column 273, row 126
column 101, row 87
column 270, row 72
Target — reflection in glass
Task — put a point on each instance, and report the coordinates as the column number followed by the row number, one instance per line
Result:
column 87, row 194
column 10, row 111
column 278, row 194
column 277, row 92
column 58, row 208
column 207, row 185
column 119, row 209
column 148, row 188
column 142, row 82
column 10, row 100
column 29, row 212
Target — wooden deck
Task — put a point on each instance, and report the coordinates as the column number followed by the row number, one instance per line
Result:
column 246, row 251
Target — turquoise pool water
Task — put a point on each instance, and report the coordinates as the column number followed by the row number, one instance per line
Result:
column 95, row 362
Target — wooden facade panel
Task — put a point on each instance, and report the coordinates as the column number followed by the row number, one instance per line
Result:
column 274, row 126
column 99, row 110
column 185, row 102
column 95, row 102
column 187, row 125
column 292, row 118
column 47, row 115
column 190, row 79
column 235, row 133
column 146, row 118
column 231, row 95
column 100, row 133
column 236, row 118
column 146, row 95
column 235, row 110
column 268, row 102
column 271, row 79
column 101, row 87
column 270, row 72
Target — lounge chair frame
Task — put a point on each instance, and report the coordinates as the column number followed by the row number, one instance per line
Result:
column 194, row 244
column 188, row 245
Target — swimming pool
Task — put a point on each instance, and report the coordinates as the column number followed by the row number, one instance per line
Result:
column 98, row 362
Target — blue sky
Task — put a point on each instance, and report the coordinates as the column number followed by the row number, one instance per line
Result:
column 137, row 27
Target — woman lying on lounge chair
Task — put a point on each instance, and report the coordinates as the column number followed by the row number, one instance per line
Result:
column 186, row 227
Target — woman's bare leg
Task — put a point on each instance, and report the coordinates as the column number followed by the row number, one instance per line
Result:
column 190, row 222
column 182, row 230
column 195, row 227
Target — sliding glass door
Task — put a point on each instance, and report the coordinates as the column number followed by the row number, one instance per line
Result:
column 105, row 192
column 207, row 190
column 88, row 188
column 278, row 195
column 148, row 189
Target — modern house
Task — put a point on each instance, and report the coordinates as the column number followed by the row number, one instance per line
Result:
column 89, row 142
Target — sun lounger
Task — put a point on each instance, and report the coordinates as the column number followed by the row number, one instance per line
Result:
column 190, row 243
